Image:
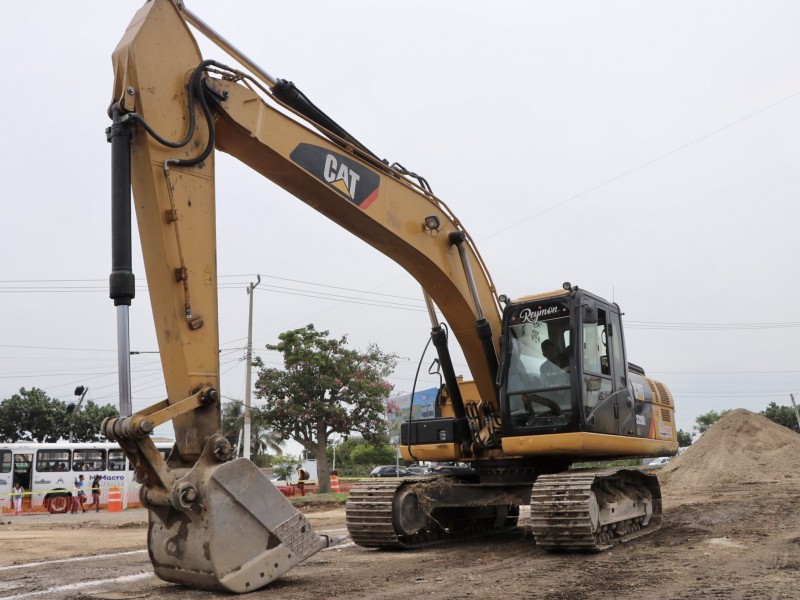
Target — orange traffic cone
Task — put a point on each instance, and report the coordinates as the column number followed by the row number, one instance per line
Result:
column 334, row 483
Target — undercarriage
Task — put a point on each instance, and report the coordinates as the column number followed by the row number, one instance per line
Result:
column 425, row 511
column 579, row 510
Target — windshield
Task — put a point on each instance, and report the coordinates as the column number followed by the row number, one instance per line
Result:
column 539, row 363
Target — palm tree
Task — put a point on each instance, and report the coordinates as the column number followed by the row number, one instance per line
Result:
column 262, row 439
column 265, row 440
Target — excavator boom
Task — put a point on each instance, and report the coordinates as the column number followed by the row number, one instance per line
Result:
column 171, row 111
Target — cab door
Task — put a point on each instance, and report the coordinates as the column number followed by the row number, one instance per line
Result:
column 597, row 381
column 608, row 404
column 623, row 404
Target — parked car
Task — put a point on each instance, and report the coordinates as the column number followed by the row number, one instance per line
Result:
column 660, row 461
column 418, row 470
column 458, row 470
column 389, row 471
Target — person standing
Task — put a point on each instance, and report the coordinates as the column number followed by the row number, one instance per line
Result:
column 302, row 477
column 16, row 498
column 96, row 493
column 80, row 495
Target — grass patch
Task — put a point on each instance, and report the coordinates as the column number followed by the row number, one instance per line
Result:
column 334, row 500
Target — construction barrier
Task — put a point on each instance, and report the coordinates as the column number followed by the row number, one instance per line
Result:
column 334, row 483
column 114, row 499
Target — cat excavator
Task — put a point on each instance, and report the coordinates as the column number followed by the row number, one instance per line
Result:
column 552, row 386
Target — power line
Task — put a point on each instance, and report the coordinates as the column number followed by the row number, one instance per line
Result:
column 317, row 284
column 708, row 326
column 340, row 298
column 518, row 222
column 55, row 348
column 629, row 324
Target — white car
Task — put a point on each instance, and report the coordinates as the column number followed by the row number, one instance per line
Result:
column 662, row 460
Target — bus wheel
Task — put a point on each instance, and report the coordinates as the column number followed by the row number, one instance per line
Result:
column 59, row 503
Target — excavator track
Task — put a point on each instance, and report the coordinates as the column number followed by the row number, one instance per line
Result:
column 593, row 510
column 373, row 521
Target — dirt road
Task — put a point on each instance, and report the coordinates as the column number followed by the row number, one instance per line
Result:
column 739, row 543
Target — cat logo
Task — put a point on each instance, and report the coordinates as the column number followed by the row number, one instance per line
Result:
column 350, row 179
column 339, row 176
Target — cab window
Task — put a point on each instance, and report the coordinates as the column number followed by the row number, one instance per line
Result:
column 5, row 461
column 539, row 366
column 595, row 346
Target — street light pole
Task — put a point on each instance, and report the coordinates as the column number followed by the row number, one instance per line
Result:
column 247, row 385
column 79, row 391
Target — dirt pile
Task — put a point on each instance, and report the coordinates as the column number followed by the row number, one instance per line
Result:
column 741, row 448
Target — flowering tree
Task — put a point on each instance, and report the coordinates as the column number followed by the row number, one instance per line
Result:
column 324, row 388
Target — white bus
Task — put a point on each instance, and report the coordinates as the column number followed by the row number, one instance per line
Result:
column 47, row 472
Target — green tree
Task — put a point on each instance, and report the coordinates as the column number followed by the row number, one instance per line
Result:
column 684, row 438
column 706, row 420
column 85, row 426
column 285, row 467
column 32, row 416
column 324, row 388
column 263, row 442
column 355, row 457
column 232, row 415
column 782, row 415
column 343, row 450
column 372, row 455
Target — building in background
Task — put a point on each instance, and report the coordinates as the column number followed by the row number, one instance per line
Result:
column 423, row 407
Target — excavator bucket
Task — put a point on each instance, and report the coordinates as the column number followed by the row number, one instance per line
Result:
column 238, row 533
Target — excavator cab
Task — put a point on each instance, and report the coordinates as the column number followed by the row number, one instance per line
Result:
column 564, row 371
column 566, row 368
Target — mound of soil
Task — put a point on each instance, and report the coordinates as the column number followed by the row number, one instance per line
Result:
column 741, row 448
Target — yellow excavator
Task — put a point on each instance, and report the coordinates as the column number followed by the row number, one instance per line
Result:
column 552, row 384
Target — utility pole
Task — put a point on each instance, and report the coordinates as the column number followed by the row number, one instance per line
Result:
column 796, row 412
column 247, row 385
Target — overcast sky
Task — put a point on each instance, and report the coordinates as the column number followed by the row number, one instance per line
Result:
column 646, row 151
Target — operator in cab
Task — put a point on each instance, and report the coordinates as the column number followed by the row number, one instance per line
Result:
column 551, row 372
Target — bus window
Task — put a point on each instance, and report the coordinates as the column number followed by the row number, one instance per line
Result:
column 5, row 461
column 52, row 460
column 89, row 460
column 116, row 460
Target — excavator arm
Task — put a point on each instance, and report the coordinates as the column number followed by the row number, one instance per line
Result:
column 171, row 111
